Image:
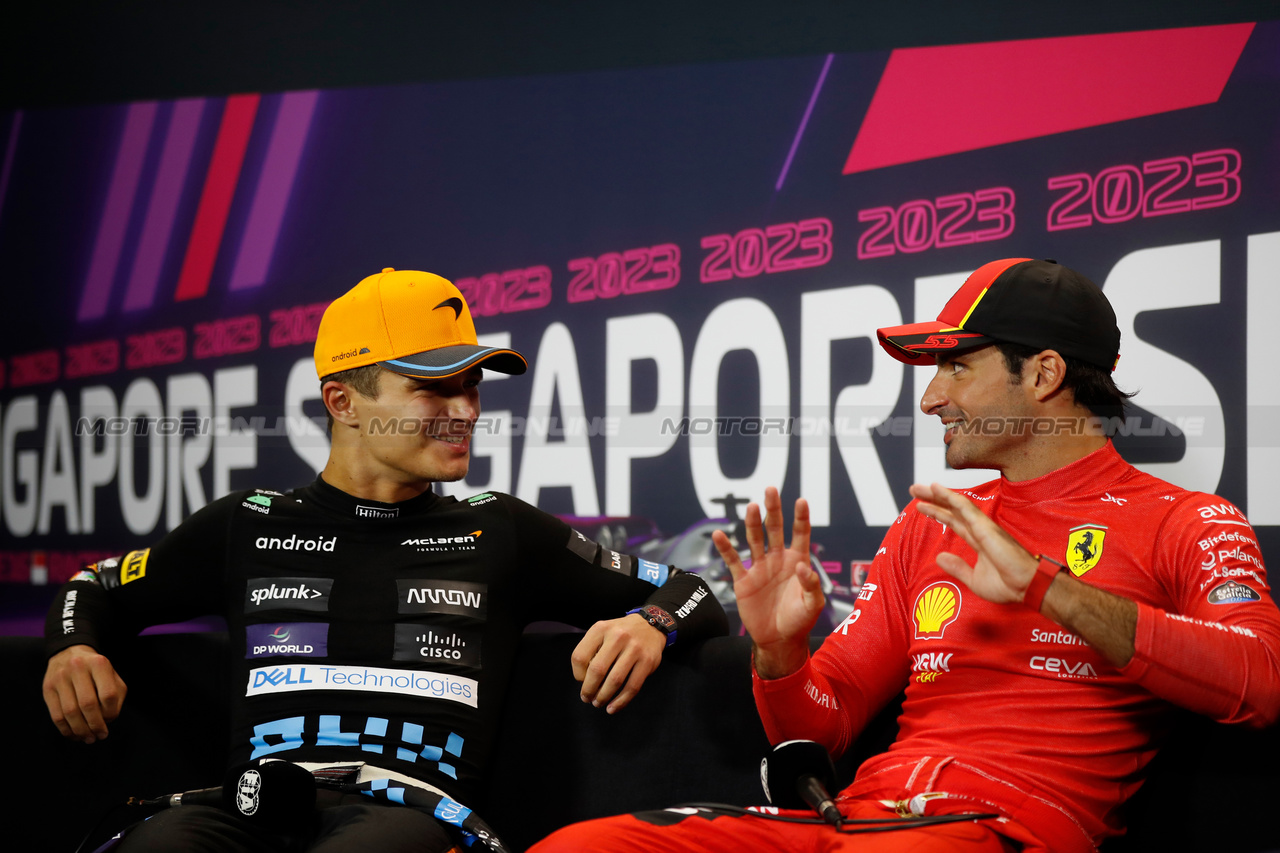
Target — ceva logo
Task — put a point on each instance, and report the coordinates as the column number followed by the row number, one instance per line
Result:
column 1064, row 668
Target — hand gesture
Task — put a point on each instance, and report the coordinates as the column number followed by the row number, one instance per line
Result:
column 780, row 596
column 1004, row 568
column 83, row 693
column 615, row 657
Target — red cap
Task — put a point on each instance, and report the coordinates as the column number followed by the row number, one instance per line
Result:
column 1039, row 304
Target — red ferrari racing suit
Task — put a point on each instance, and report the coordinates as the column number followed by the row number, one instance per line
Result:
column 1006, row 711
column 1010, row 711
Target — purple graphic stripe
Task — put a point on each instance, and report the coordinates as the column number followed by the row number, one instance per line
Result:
column 14, row 129
column 175, row 161
column 275, row 186
column 115, row 215
column 804, row 122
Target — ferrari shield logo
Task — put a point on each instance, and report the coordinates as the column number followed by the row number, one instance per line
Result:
column 1084, row 548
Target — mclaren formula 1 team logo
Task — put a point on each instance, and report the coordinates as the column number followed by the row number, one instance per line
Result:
column 1084, row 547
column 936, row 608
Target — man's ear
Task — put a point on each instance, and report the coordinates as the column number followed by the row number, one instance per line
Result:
column 340, row 400
column 1044, row 374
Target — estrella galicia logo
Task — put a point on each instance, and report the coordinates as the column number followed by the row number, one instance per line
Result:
column 456, row 598
column 287, row 594
column 1232, row 592
column 294, row 639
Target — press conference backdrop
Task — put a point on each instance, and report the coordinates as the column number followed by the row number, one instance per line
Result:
column 694, row 259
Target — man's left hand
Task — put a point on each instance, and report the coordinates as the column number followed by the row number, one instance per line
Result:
column 1004, row 568
column 614, row 659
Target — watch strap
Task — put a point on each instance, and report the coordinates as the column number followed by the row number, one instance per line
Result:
column 658, row 618
column 1047, row 569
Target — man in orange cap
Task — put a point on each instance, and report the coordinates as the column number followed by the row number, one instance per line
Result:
column 374, row 623
column 1043, row 625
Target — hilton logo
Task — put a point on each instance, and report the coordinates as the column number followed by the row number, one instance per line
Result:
column 376, row 512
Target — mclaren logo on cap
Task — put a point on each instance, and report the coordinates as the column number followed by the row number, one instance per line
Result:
column 1084, row 547
column 452, row 302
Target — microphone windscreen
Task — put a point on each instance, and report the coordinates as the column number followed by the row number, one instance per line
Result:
column 276, row 795
column 788, row 764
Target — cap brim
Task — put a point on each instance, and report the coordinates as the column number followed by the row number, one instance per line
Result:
column 919, row 343
column 448, row 361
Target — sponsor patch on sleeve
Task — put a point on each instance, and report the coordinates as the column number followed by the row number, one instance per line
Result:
column 1233, row 592
column 581, row 545
column 134, row 566
column 615, row 562
column 654, row 573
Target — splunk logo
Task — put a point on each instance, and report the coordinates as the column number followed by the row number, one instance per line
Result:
column 365, row 679
column 294, row 639
column 287, row 594
column 293, row 543
column 458, row 598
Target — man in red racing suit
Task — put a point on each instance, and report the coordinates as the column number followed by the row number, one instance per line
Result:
column 1043, row 624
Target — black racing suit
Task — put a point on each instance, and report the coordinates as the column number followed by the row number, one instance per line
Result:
column 363, row 631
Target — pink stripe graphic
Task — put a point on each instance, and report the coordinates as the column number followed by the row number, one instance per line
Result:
column 275, row 185
column 14, row 129
column 804, row 122
column 935, row 101
column 115, row 216
column 175, row 161
column 215, row 200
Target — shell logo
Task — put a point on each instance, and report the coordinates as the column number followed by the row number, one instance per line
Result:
column 937, row 606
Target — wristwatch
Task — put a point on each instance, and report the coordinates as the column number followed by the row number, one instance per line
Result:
column 1047, row 569
column 658, row 618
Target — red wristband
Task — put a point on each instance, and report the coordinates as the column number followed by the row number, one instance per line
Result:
column 1047, row 569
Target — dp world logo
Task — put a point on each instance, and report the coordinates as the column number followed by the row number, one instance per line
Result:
column 247, row 792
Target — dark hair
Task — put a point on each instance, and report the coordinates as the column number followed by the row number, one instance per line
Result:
column 362, row 379
column 1091, row 386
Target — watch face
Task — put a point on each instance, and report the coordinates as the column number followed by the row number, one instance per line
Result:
column 659, row 618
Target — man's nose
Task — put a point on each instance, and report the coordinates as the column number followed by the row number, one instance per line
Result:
column 934, row 395
column 461, row 407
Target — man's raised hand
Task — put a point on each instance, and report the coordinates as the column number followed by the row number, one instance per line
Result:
column 779, row 596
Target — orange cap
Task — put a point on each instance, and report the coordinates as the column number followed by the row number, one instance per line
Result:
column 410, row 322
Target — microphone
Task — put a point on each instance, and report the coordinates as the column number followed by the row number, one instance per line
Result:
column 275, row 795
column 799, row 773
